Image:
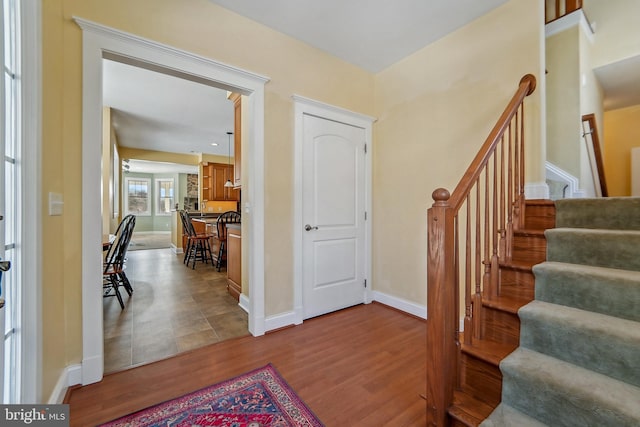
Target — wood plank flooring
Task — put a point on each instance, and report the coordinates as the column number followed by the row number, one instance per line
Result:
column 363, row 366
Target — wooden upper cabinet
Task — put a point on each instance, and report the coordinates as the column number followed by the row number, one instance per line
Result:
column 214, row 176
column 237, row 138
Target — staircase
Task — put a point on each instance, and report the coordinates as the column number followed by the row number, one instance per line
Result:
column 578, row 363
column 480, row 387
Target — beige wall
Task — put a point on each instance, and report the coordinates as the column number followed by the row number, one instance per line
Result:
column 61, row 342
column 435, row 109
column 616, row 27
column 197, row 26
column 622, row 133
column 563, row 100
column 591, row 102
column 572, row 91
column 617, row 38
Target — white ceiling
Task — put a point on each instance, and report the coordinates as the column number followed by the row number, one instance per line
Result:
column 620, row 82
column 155, row 111
column 160, row 112
column 371, row 34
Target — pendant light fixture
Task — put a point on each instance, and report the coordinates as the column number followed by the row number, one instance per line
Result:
column 229, row 184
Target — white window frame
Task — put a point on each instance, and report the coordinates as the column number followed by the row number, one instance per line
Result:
column 157, row 197
column 30, row 206
column 125, row 194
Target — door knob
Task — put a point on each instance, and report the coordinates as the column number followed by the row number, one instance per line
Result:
column 309, row 228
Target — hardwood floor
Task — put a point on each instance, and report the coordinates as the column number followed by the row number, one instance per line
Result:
column 173, row 309
column 363, row 366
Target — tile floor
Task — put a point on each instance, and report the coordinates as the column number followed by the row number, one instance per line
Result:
column 173, row 309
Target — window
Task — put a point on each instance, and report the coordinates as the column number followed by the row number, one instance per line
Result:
column 10, row 183
column 137, row 196
column 164, row 196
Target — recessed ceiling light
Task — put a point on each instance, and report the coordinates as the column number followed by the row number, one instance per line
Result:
column 215, row 144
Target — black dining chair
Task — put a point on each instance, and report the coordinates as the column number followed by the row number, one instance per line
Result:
column 229, row 217
column 198, row 247
column 113, row 273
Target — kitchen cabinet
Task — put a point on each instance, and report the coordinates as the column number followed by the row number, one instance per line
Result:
column 234, row 258
column 237, row 138
column 214, row 176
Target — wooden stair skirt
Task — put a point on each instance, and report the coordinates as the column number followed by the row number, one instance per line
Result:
column 479, row 377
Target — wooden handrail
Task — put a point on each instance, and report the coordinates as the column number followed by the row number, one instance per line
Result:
column 469, row 234
column 590, row 134
column 525, row 88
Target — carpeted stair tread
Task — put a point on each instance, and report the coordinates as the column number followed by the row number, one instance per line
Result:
column 619, row 213
column 603, row 290
column 559, row 393
column 507, row 416
column 604, row 344
column 598, row 247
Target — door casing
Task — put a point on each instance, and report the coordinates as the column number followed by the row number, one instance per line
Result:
column 98, row 42
column 305, row 106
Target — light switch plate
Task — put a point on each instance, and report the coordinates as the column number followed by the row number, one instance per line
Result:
column 55, row 204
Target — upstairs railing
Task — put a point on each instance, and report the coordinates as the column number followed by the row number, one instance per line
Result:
column 469, row 234
column 555, row 9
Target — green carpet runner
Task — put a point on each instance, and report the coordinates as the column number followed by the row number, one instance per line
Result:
column 578, row 363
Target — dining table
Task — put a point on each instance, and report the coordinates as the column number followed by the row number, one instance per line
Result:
column 107, row 241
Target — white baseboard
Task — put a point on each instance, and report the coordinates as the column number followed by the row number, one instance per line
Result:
column 279, row 321
column 71, row 375
column 244, row 303
column 536, row 190
column 401, row 304
column 290, row 318
column 555, row 173
column 176, row 250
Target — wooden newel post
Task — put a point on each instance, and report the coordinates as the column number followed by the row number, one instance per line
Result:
column 441, row 309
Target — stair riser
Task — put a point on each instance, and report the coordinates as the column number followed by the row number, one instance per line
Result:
column 516, row 283
column 540, row 216
column 453, row 422
column 594, row 247
column 529, row 248
column 500, row 326
column 481, row 379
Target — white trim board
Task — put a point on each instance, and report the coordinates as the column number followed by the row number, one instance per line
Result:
column 576, row 17
column 100, row 42
column 555, row 173
column 71, row 375
column 401, row 304
column 31, row 206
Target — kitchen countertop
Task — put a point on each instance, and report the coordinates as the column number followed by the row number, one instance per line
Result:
column 205, row 219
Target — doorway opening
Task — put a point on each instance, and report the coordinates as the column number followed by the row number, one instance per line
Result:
column 100, row 42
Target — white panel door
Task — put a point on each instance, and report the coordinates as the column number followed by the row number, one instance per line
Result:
column 333, row 216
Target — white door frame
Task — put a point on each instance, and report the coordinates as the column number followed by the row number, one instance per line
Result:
column 100, row 41
column 305, row 106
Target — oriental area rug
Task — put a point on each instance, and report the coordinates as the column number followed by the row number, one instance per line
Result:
column 259, row 398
